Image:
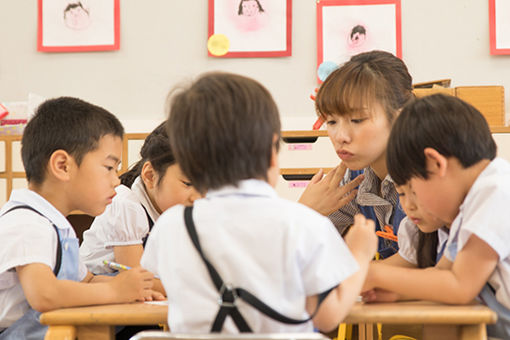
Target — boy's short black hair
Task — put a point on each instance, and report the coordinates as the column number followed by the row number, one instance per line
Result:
column 221, row 130
column 68, row 124
column 447, row 124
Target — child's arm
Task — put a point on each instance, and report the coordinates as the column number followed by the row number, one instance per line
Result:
column 128, row 255
column 45, row 292
column 362, row 243
column 397, row 261
column 460, row 284
column 326, row 195
column 131, row 256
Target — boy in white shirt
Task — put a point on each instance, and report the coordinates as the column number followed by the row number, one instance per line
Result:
column 71, row 150
column 225, row 131
column 443, row 148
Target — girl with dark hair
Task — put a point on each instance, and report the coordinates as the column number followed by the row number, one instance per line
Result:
column 151, row 186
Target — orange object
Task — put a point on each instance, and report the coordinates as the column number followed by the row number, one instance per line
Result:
column 387, row 233
column 318, row 123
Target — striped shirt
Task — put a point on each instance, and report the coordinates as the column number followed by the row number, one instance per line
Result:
column 371, row 192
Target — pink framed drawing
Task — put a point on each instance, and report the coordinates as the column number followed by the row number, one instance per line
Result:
column 348, row 27
column 78, row 25
column 250, row 28
column 499, row 26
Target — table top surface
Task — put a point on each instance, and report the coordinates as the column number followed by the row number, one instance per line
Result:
column 410, row 312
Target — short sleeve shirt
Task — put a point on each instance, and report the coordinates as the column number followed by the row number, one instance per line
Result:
column 485, row 213
column 280, row 251
column 27, row 238
column 123, row 223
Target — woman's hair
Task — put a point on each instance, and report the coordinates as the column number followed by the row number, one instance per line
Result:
column 426, row 253
column 156, row 149
column 367, row 79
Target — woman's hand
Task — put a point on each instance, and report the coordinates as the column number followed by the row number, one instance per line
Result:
column 324, row 193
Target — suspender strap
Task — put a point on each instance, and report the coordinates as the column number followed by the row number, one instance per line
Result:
column 151, row 224
column 229, row 294
column 59, row 246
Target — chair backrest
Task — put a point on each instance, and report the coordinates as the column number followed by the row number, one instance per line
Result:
column 159, row 335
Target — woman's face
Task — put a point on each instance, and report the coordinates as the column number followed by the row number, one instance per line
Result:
column 360, row 138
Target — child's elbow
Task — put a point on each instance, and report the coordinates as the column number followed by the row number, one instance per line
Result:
column 326, row 327
column 42, row 305
column 462, row 297
column 43, row 301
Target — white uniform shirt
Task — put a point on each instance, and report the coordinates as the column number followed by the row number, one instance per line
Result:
column 485, row 213
column 123, row 223
column 27, row 238
column 408, row 240
column 278, row 250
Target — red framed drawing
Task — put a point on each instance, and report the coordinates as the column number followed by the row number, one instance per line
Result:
column 499, row 26
column 348, row 27
column 250, row 28
column 78, row 25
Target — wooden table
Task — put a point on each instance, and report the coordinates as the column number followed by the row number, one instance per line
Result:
column 440, row 321
column 98, row 322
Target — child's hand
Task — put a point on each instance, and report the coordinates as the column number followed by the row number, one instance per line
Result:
column 379, row 295
column 325, row 195
column 361, row 239
column 155, row 296
column 133, row 285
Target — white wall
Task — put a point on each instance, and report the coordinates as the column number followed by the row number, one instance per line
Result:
column 164, row 42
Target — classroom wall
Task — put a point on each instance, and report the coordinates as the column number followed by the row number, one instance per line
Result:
column 163, row 42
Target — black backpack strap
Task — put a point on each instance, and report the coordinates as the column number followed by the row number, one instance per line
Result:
column 151, row 224
column 228, row 294
column 59, row 246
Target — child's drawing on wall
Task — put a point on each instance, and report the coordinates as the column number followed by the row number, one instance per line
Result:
column 76, row 16
column 251, row 15
column 249, row 8
column 252, row 25
column 349, row 29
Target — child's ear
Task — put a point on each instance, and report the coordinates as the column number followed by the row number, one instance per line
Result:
column 60, row 164
column 435, row 162
column 274, row 152
column 148, row 175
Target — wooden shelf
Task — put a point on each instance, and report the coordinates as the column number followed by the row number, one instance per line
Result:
column 300, row 174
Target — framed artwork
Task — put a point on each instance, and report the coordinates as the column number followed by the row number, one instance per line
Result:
column 348, row 27
column 78, row 25
column 499, row 26
column 250, row 28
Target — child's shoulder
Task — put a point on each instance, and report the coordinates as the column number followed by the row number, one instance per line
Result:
column 125, row 199
column 494, row 178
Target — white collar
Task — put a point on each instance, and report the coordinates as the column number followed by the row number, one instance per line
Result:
column 249, row 187
column 39, row 203
column 138, row 188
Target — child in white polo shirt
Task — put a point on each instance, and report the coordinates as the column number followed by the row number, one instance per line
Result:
column 443, row 148
column 151, row 186
column 71, row 150
column 243, row 259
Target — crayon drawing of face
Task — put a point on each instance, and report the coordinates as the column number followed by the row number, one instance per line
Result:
column 76, row 17
column 249, row 8
column 357, row 37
